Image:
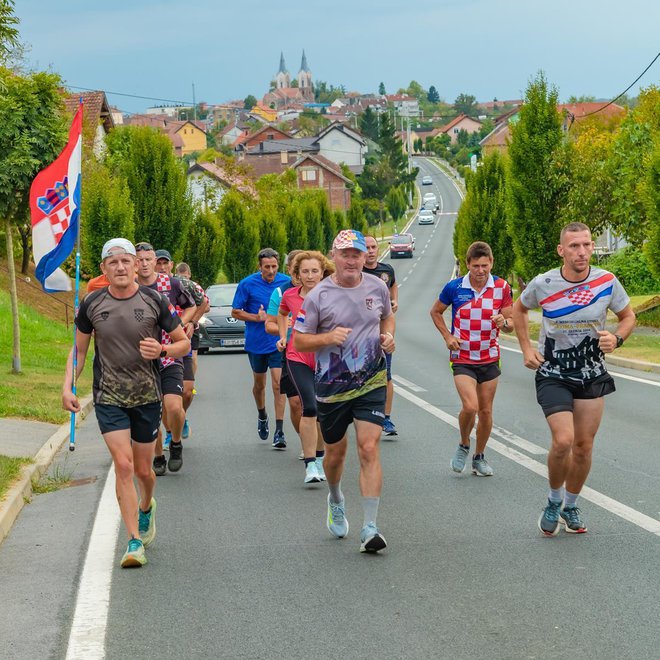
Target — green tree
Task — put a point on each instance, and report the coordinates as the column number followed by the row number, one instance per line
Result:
column 355, row 218
column 204, row 250
column 466, row 104
column 537, row 182
column 241, row 236
column 369, row 124
column 156, row 183
column 296, row 229
column 381, row 89
column 483, row 214
column 272, row 231
column 652, row 202
column 433, row 96
column 249, row 102
column 395, row 202
column 327, row 221
column 9, row 37
column 581, row 99
column 341, row 222
column 310, row 209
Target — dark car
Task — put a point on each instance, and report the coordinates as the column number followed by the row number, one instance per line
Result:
column 218, row 329
column 402, row 245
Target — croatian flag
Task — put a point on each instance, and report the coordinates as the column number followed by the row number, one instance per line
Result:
column 577, row 297
column 55, row 210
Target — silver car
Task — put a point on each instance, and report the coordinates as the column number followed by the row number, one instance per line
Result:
column 218, row 329
column 425, row 217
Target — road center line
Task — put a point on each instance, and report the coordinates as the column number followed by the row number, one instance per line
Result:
column 407, row 383
column 613, row 506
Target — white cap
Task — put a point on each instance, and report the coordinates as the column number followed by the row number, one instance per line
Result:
column 114, row 244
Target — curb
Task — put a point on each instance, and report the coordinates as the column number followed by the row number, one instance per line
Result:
column 17, row 496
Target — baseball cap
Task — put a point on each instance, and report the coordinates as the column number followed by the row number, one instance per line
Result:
column 114, row 245
column 349, row 238
column 163, row 254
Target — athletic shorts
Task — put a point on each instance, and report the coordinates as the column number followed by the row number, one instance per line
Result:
column 143, row 421
column 388, row 363
column 335, row 418
column 171, row 379
column 480, row 372
column 286, row 386
column 301, row 376
column 188, row 371
column 261, row 363
column 555, row 395
column 194, row 341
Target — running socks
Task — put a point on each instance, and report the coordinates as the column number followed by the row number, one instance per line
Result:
column 262, row 413
column 320, row 454
column 557, row 494
column 279, row 425
column 477, row 457
column 309, row 460
column 370, row 506
column 336, row 495
column 570, row 499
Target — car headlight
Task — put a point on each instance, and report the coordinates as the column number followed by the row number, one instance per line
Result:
column 205, row 320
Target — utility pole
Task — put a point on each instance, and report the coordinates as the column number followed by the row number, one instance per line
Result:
column 409, row 164
column 194, row 104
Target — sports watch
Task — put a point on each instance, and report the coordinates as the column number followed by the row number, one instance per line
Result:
column 619, row 341
column 163, row 353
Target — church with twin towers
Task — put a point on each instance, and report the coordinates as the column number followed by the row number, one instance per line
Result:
column 283, row 78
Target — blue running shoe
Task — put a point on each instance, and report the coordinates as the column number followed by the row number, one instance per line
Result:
column 186, row 430
column 480, row 467
column 262, row 428
column 570, row 517
column 549, row 520
column 147, row 524
column 457, row 464
column 134, row 556
column 371, row 539
column 166, row 442
column 388, row 427
column 279, row 441
column 337, row 522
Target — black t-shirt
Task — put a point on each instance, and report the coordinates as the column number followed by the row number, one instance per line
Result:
column 384, row 271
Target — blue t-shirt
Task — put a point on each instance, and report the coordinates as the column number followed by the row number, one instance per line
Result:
column 252, row 292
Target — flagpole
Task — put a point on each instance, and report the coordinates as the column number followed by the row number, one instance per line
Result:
column 76, row 304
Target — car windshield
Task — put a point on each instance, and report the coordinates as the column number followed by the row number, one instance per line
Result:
column 400, row 240
column 221, row 296
column 425, row 212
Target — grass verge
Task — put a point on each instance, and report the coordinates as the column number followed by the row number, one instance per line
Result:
column 10, row 468
column 59, row 477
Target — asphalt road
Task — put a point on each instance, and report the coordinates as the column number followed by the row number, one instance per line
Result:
column 243, row 566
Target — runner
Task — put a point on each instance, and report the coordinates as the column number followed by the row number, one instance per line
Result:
column 171, row 370
column 481, row 307
column 250, row 303
column 386, row 273
column 309, row 268
column 571, row 377
column 347, row 320
column 127, row 320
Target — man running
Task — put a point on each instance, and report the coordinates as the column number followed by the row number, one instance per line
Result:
column 386, row 273
column 571, row 377
column 250, row 304
column 127, row 320
column 481, row 306
column 171, row 370
column 347, row 321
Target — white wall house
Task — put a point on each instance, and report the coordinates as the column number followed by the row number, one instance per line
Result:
column 342, row 145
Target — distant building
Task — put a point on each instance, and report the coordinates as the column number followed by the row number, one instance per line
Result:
column 404, row 105
column 456, row 125
column 166, row 110
column 187, row 137
column 284, row 94
column 97, row 118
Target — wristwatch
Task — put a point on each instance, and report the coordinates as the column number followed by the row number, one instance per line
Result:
column 163, row 353
column 619, row 341
column 506, row 324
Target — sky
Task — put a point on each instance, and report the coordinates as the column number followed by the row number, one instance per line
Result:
column 487, row 48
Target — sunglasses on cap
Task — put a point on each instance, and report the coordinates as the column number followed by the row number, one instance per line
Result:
column 143, row 247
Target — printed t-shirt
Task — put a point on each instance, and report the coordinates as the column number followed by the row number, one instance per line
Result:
column 252, row 292
column 291, row 303
column 471, row 318
column 346, row 372
column 573, row 313
column 384, row 271
column 122, row 377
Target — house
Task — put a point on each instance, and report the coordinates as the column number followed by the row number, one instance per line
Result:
column 264, row 112
column 265, row 133
column 460, row 123
column 404, row 105
column 97, row 118
column 208, row 182
column 231, row 134
column 186, row 136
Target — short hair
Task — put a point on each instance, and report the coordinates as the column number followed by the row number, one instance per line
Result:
column 477, row 250
column 573, row 227
column 327, row 265
column 366, row 236
column 183, row 268
column 291, row 256
column 268, row 253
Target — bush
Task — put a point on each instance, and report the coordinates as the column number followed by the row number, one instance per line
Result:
column 632, row 268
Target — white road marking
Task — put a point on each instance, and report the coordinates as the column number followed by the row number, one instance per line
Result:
column 407, row 383
column 448, row 213
column 613, row 506
column 618, row 374
column 424, row 251
column 90, row 617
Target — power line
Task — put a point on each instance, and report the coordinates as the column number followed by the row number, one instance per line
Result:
column 133, row 96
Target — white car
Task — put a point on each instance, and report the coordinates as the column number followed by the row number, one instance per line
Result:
column 427, row 181
column 430, row 201
column 425, row 217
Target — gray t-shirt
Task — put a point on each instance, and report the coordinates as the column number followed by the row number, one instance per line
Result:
column 122, row 377
column 348, row 371
column 573, row 313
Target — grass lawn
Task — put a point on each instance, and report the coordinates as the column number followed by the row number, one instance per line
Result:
column 9, row 470
column 45, row 344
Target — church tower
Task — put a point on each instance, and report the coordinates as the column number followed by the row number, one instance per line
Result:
column 305, row 78
column 282, row 78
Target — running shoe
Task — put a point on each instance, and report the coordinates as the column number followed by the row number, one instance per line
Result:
column 481, row 468
column 549, row 520
column 160, row 465
column 186, row 430
column 134, row 556
column 570, row 517
column 262, row 428
column 337, row 522
column 319, row 467
column 388, row 427
column 311, row 474
column 301, row 456
column 279, row 441
column 371, row 539
column 147, row 524
column 457, row 464
column 176, row 457
column 166, row 442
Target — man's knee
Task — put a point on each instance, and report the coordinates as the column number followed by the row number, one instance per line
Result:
column 143, row 469
column 470, row 408
column 124, row 468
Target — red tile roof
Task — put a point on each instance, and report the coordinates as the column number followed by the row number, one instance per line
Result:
column 95, row 108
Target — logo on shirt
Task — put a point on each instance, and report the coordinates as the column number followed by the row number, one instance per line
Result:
column 104, row 316
column 385, row 277
column 369, row 302
column 139, row 315
column 301, row 317
column 580, row 295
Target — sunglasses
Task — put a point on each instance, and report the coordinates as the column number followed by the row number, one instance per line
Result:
column 143, row 247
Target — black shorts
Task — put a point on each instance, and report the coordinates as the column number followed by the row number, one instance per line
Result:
column 302, row 377
column 171, row 379
column 480, row 372
column 188, row 371
column 335, row 418
column 261, row 362
column 555, row 395
column 143, row 421
column 286, row 386
column 194, row 341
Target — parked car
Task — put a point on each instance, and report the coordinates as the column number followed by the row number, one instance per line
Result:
column 427, row 180
column 402, row 245
column 425, row 217
column 218, row 329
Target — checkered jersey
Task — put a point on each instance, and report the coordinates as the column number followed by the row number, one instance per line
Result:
column 472, row 315
column 164, row 285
